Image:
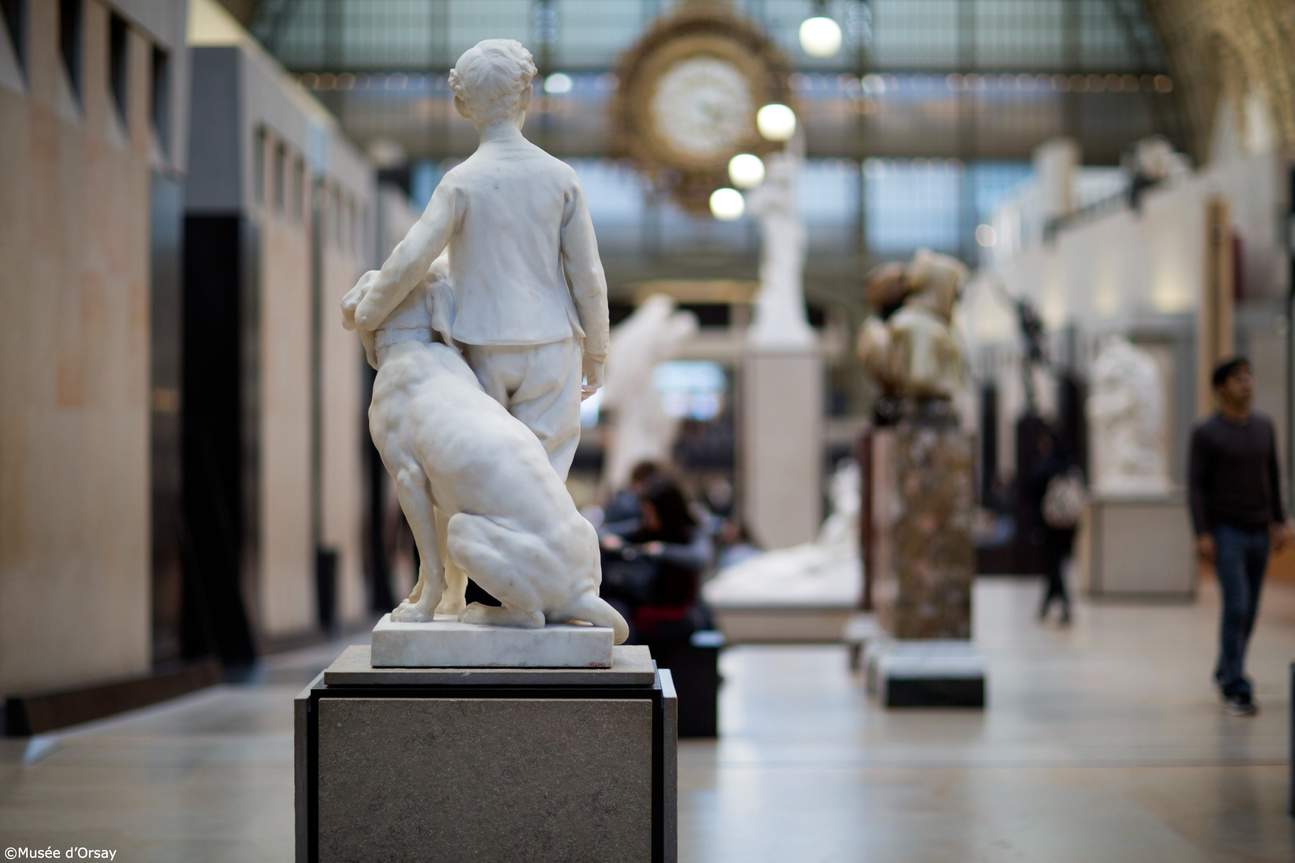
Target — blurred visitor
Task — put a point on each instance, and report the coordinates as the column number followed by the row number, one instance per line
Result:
column 734, row 543
column 1056, row 491
column 653, row 574
column 1237, row 515
column 624, row 511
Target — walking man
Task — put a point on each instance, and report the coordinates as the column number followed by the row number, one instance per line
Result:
column 1237, row 515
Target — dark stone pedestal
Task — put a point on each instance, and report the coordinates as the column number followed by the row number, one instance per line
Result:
column 694, row 669
column 487, row 764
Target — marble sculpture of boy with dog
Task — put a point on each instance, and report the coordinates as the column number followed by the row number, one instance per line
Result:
column 482, row 363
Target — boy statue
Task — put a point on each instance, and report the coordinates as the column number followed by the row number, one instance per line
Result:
column 517, row 229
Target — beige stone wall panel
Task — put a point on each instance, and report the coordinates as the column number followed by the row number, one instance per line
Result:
column 343, row 425
column 74, row 367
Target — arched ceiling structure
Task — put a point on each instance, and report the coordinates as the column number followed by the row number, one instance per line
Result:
column 1238, row 55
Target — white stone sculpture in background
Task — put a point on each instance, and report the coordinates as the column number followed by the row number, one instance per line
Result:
column 478, row 424
column 824, row 572
column 448, row 446
column 780, row 320
column 641, row 429
column 917, row 353
column 1156, row 159
column 1126, row 420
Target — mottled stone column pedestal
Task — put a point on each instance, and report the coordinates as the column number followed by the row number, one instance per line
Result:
column 923, row 560
column 487, row 764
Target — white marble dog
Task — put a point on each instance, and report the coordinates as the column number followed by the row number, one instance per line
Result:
column 447, row 445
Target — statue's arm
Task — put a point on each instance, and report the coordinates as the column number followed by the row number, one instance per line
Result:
column 411, row 259
column 584, row 271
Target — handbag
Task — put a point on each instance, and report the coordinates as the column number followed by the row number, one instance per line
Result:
column 1064, row 500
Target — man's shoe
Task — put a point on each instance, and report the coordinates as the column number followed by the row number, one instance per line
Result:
column 1240, row 705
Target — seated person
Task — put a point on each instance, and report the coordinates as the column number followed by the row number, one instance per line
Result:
column 667, row 555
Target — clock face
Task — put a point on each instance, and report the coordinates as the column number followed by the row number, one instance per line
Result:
column 703, row 108
column 687, row 94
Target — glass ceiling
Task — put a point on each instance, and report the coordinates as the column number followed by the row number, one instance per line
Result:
column 920, row 125
column 887, row 35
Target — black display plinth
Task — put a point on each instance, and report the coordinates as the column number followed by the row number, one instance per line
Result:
column 694, row 669
column 487, row 764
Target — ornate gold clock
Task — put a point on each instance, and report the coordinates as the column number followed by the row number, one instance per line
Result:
column 687, row 98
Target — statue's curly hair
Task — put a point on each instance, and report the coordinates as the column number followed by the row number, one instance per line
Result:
column 491, row 77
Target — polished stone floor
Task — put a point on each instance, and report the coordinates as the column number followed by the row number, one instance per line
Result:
column 1102, row 742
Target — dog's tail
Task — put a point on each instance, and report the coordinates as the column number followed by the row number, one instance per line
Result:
column 593, row 608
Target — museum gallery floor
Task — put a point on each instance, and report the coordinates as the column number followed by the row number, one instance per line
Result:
column 1100, row 743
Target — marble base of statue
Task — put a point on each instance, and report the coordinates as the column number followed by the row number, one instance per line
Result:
column 447, row 643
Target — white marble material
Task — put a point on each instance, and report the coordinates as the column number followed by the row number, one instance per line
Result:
column 448, row 643
column 780, row 320
column 824, row 573
column 632, row 665
column 530, row 295
column 887, row 661
column 1126, row 420
column 642, row 431
column 480, row 480
column 505, row 518
column 917, row 352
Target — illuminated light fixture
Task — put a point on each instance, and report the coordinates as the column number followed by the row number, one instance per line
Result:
column 820, row 36
column 746, row 170
column 727, row 204
column 776, row 122
column 557, row 84
column 986, row 236
column 873, row 84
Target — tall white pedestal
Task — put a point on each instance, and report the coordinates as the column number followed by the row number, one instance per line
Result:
column 781, row 444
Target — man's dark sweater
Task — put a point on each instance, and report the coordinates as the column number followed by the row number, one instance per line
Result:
column 1232, row 474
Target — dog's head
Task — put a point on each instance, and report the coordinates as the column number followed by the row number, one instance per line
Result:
column 438, row 297
column 433, row 294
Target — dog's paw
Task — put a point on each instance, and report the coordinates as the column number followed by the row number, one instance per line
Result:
column 410, row 613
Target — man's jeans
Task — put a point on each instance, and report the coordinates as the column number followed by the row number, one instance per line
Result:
column 1240, row 558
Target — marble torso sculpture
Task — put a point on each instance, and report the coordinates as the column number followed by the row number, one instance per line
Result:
column 780, row 320
column 642, row 430
column 1126, row 419
column 480, row 360
column 916, row 353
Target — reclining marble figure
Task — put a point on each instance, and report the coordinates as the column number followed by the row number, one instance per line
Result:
column 448, row 446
